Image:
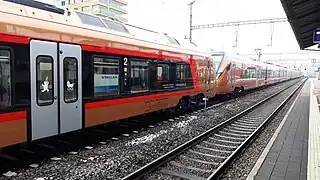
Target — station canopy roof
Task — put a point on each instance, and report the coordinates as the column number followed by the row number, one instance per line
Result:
column 304, row 18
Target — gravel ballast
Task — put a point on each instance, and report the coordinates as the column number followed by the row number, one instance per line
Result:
column 116, row 159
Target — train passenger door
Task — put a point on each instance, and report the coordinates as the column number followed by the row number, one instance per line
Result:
column 55, row 88
column 70, row 87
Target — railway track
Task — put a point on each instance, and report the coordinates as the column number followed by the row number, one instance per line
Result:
column 25, row 155
column 208, row 155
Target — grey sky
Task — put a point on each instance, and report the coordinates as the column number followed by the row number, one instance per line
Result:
column 173, row 17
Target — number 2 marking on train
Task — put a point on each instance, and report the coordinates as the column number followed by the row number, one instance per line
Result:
column 125, row 61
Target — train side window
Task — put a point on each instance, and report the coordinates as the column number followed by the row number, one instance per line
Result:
column 106, row 76
column 5, row 78
column 70, row 68
column 160, row 76
column 44, row 80
column 189, row 79
column 181, row 75
column 139, row 76
column 244, row 74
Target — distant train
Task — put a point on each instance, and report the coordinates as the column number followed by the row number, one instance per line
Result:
column 236, row 73
column 63, row 70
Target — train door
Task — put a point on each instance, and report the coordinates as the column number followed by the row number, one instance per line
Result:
column 56, row 104
column 70, row 87
column 232, row 75
column 211, row 78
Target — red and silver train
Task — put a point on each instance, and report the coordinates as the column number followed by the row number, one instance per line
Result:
column 62, row 71
column 236, row 73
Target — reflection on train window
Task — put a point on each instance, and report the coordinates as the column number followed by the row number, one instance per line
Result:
column 163, row 76
column 139, row 76
column 259, row 73
column 269, row 73
column 181, row 75
column 163, row 72
column 106, row 76
column 5, row 80
column 160, row 77
column 70, row 71
column 252, row 72
column 189, row 75
column 44, row 80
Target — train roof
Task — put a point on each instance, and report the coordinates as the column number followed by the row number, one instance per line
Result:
column 25, row 16
column 249, row 60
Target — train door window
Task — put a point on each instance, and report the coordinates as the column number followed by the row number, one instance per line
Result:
column 139, row 76
column 70, row 70
column 106, row 76
column 44, row 80
column 5, row 78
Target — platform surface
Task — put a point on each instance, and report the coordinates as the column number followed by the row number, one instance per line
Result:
column 293, row 153
column 314, row 132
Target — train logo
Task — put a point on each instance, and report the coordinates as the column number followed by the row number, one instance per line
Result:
column 45, row 85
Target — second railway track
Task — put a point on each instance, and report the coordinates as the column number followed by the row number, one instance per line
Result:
column 209, row 154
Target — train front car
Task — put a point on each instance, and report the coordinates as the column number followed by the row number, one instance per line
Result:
column 206, row 77
column 63, row 71
column 223, row 72
column 236, row 73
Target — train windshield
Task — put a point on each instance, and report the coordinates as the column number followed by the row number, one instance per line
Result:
column 217, row 58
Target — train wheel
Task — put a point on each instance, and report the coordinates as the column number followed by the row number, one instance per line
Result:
column 182, row 104
column 199, row 99
column 238, row 90
column 194, row 101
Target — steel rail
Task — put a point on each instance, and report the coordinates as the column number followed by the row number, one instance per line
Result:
column 148, row 168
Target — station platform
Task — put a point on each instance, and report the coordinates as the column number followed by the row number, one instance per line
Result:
column 293, row 153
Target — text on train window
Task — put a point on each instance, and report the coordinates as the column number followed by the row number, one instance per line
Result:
column 70, row 72
column 106, row 76
column 139, row 76
column 5, row 78
column 44, row 80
